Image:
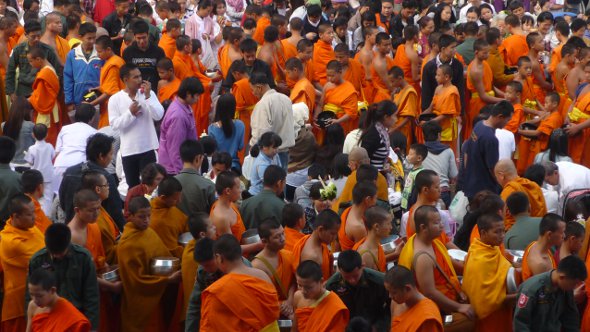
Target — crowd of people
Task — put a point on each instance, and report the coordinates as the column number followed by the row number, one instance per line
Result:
column 302, row 165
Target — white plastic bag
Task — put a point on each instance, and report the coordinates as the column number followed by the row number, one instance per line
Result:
column 458, row 208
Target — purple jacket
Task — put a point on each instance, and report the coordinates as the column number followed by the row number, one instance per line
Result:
column 178, row 125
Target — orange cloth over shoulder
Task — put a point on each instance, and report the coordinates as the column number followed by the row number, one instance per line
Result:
column 245, row 101
column 513, row 48
column 516, row 120
column 63, row 317
column 239, row 302
column 15, row 39
column 291, row 237
column 355, row 74
column 346, row 195
column 327, row 258
column 526, row 270
column 534, row 193
column 224, row 60
column 345, row 242
column 109, row 235
column 448, row 102
column 289, row 49
column 41, row 220
column 284, row 275
column 475, row 102
column 380, row 261
column 110, row 83
column 407, row 105
column 578, row 143
column 322, row 54
column 169, row 91
column 62, row 47
column 528, row 90
column 238, row 228
column 378, row 82
column 308, row 69
column 168, row 223
column 168, row 44
column 539, row 91
column 94, row 245
column 189, row 267
column 345, row 97
column 303, row 92
column 261, row 25
column 328, row 314
column 202, row 108
column 424, row 316
column 555, row 58
column 528, row 148
column 410, row 227
column 44, row 101
column 401, row 60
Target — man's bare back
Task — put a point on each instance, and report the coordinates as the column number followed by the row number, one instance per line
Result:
column 312, row 251
column 539, row 260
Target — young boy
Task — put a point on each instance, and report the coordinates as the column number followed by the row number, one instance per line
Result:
column 315, row 246
column 353, row 225
column 352, row 70
column 48, row 311
column 528, row 97
column 168, row 40
column 40, row 156
column 245, row 99
column 513, row 94
column 169, row 83
column 378, row 223
column 45, row 90
column 303, row 91
column 536, row 44
column 202, row 108
column 294, row 222
column 573, row 240
column 305, row 54
column 110, row 80
column 406, row 56
column 249, row 27
column 406, row 100
column 323, row 53
column 34, row 187
column 416, row 156
column 315, row 172
column 167, row 220
column 562, row 70
column 446, row 104
column 316, row 309
column 514, row 46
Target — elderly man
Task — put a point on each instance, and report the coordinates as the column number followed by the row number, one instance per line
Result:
column 566, row 176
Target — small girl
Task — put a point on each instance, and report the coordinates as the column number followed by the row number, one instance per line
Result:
column 219, row 14
column 527, row 23
column 269, row 147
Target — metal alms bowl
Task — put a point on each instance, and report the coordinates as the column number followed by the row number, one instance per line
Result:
column 335, row 255
column 516, row 255
column 250, row 236
column 211, row 74
column 389, row 243
column 511, row 286
column 110, row 273
column 164, row 266
column 185, row 238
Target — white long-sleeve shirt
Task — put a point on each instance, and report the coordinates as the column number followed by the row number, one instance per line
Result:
column 137, row 132
column 273, row 112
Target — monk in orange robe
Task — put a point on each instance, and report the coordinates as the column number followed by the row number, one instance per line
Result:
column 538, row 257
column 507, row 177
column 559, row 76
column 167, row 220
column 320, row 310
column 17, row 38
column 52, row 38
column 380, row 66
column 514, row 46
column 315, row 247
column 52, row 312
column 536, row 45
column 168, row 40
column 261, row 24
column 230, row 52
column 109, row 235
column 513, row 93
column 20, row 240
column 303, row 91
column 202, row 108
column 290, row 44
column 169, row 83
column 323, row 53
column 222, row 221
column 110, row 80
column 45, row 91
column 484, row 277
column 305, row 54
column 579, row 128
column 407, row 105
column 352, row 225
column 41, row 220
column 141, row 307
column 352, row 70
column 339, row 97
column 562, row 33
column 245, row 99
column 411, row 311
column 378, row 223
column 244, row 299
column 407, row 58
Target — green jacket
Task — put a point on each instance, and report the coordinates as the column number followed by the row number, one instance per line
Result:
column 10, row 185
column 26, row 73
column 198, row 193
column 259, row 207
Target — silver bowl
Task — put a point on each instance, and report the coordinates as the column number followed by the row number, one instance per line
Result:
column 335, row 255
column 185, row 238
column 164, row 266
column 516, row 255
column 110, row 273
column 511, row 286
column 211, row 74
column 250, row 236
column 457, row 254
column 389, row 243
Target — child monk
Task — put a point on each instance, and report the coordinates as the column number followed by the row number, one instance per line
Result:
column 202, row 108
column 352, row 70
column 378, row 223
column 531, row 105
column 303, row 91
column 562, row 32
column 411, row 311
column 168, row 40
column 513, row 94
column 290, row 44
column 169, row 83
column 262, row 22
column 141, row 306
column 352, row 226
column 573, row 241
column 294, row 220
column 110, row 80
column 576, row 76
column 406, row 100
column 32, row 181
column 562, row 70
column 305, row 54
column 339, row 97
column 323, row 53
column 316, row 309
column 315, row 246
column 167, row 220
column 48, row 311
column 578, row 130
column 380, row 64
column 446, row 104
column 45, row 90
column 271, row 52
column 230, row 52
column 534, row 141
column 245, row 99
column 20, row 240
column 536, row 45
column 407, row 58
column 537, row 257
column 514, row 46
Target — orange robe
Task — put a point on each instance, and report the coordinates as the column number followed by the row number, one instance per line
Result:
column 189, row 267
column 63, row 317
column 578, row 143
column 407, row 106
column 534, row 193
column 15, row 39
column 109, row 235
column 202, row 108
column 382, row 91
column 16, row 248
column 142, row 291
column 239, row 302
column 345, row 242
column 328, row 314
column 516, row 120
column 322, row 54
column 528, row 148
column 304, row 92
column 345, row 99
column 94, row 245
column 327, row 258
column 168, row 223
column 308, row 69
column 475, row 102
column 528, row 97
column 289, row 49
column 284, row 275
column 245, row 102
column 539, row 91
column 261, row 25
column 355, row 74
column 169, row 91
column 526, row 270
column 237, row 229
column 110, row 83
column 44, row 101
column 401, row 60
column 424, row 316
column 380, row 261
column 555, row 59
column 62, row 47
column 513, row 48
column 291, row 237
column 484, row 282
column 168, row 44
column 41, row 220
column 447, row 102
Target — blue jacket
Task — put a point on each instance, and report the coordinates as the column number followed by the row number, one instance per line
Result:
column 80, row 74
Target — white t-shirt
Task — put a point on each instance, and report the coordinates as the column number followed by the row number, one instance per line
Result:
column 506, row 143
column 71, row 144
column 571, row 176
column 40, row 156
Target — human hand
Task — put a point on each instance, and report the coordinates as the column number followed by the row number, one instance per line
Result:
column 467, row 310
column 174, row 277
column 146, row 89
column 134, row 108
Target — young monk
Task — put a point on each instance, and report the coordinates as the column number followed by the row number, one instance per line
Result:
column 277, row 263
column 535, row 141
column 290, row 44
column 110, row 80
column 578, row 119
column 537, row 256
column 366, row 54
column 576, row 76
column 559, row 77
column 303, row 91
column 339, row 97
column 48, row 311
column 528, row 98
column 446, row 104
column 536, row 45
column 562, row 32
column 262, row 18
column 168, row 40
column 245, row 99
column 316, row 309
column 167, row 220
column 271, row 52
column 380, row 64
column 315, row 246
column 573, row 241
column 33, row 187
column 51, row 37
column 485, row 261
column 352, row 70
column 305, row 54
column 169, row 83
column 323, row 53
column 202, row 108
column 20, row 240
column 45, row 91
column 293, row 220
column 407, row 58
column 514, row 46
column 243, row 299
column 406, row 100
column 141, row 306
column 412, row 311
column 352, row 226
column 513, row 94
column 230, row 52
column 378, row 223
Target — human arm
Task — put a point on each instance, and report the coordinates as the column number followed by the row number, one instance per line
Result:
column 155, row 109
column 69, row 80
column 523, row 312
column 416, row 66
column 540, row 77
column 476, row 78
column 381, row 69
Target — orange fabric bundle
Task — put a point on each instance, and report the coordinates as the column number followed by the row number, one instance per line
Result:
column 168, row 223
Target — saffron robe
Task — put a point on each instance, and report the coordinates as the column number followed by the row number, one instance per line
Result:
column 346, row 243
column 526, row 270
column 168, row 44
column 516, row 120
column 223, row 60
column 44, row 101
column 245, row 102
column 424, row 316
column 262, row 23
column 513, row 48
column 289, row 49
column 327, row 258
column 169, row 91
column 578, row 143
column 322, row 54
column 382, row 92
column 109, row 233
column 62, row 48
column 534, row 193
column 283, row 276
column 304, row 92
column 402, row 60
column 110, row 83
column 475, row 102
column 529, row 147
column 41, row 220
column 328, row 314
column 168, row 223
column 448, row 102
column 355, row 74
column 407, row 105
column 291, row 237
column 63, row 317
column 238, row 228
column 344, row 99
column 379, row 260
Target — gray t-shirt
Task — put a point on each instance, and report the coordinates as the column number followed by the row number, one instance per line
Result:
column 444, row 164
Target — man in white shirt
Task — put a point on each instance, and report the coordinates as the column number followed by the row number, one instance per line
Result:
column 132, row 113
column 566, row 177
column 273, row 112
column 506, row 143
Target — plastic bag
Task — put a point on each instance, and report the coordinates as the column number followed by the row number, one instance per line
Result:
column 458, row 208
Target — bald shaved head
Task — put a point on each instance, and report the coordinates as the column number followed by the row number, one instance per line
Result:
column 505, row 171
column 358, row 156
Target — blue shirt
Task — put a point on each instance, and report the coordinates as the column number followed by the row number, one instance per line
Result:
column 481, row 155
column 80, row 74
column 231, row 144
column 258, row 167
